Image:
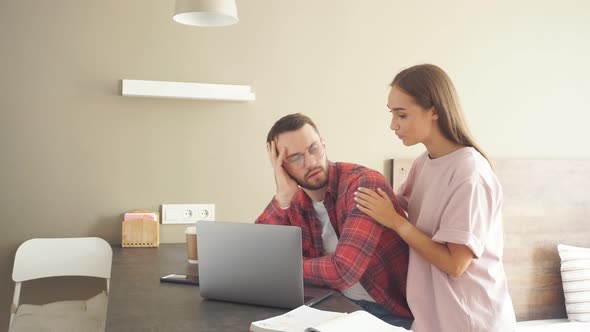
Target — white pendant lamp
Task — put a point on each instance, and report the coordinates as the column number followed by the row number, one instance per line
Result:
column 206, row 13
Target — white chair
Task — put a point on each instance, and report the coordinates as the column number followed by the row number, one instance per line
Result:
column 42, row 258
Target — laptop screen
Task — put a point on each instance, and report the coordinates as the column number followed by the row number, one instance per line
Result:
column 251, row 263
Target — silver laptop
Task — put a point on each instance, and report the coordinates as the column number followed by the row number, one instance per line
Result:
column 252, row 263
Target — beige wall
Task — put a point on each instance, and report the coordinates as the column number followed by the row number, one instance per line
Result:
column 76, row 154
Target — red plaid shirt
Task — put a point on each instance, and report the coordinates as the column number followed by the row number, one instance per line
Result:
column 366, row 251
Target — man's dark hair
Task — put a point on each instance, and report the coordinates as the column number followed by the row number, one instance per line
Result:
column 287, row 123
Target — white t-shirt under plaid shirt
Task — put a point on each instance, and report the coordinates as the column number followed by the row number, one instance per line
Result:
column 457, row 198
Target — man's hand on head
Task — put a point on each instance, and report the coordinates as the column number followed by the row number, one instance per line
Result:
column 286, row 186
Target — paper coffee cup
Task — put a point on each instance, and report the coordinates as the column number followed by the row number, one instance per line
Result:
column 191, row 245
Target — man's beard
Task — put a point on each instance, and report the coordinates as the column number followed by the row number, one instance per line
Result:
column 313, row 186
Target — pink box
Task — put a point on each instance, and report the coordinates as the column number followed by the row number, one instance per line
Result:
column 140, row 215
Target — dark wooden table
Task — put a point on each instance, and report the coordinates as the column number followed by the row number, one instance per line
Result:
column 139, row 302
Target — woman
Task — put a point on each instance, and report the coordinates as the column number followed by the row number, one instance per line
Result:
column 456, row 280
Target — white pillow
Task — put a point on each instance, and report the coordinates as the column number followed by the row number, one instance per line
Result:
column 575, row 275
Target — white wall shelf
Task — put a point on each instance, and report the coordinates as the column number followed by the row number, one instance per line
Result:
column 161, row 89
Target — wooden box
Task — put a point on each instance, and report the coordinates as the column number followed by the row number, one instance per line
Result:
column 141, row 233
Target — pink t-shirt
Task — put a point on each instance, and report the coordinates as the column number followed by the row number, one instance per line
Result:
column 458, row 199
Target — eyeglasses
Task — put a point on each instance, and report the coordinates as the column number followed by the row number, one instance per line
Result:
column 297, row 160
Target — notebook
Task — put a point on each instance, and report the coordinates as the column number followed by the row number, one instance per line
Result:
column 252, row 263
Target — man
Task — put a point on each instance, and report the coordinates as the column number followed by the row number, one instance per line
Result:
column 343, row 248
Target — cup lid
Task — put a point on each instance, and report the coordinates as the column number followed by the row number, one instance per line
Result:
column 191, row 230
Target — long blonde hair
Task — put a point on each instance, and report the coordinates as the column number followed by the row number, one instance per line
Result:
column 430, row 87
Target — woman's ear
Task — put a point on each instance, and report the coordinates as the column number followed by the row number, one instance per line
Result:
column 434, row 113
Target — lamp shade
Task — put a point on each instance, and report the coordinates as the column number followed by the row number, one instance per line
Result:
column 206, row 13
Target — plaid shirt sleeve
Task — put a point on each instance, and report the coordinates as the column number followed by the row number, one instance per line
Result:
column 358, row 241
column 275, row 215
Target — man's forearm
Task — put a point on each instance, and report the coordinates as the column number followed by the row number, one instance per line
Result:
column 273, row 214
column 349, row 262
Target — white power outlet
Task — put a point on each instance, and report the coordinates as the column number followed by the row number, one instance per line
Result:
column 187, row 213
column 400, row 171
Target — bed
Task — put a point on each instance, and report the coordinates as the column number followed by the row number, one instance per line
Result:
column 552, row 325
column 545, row 204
